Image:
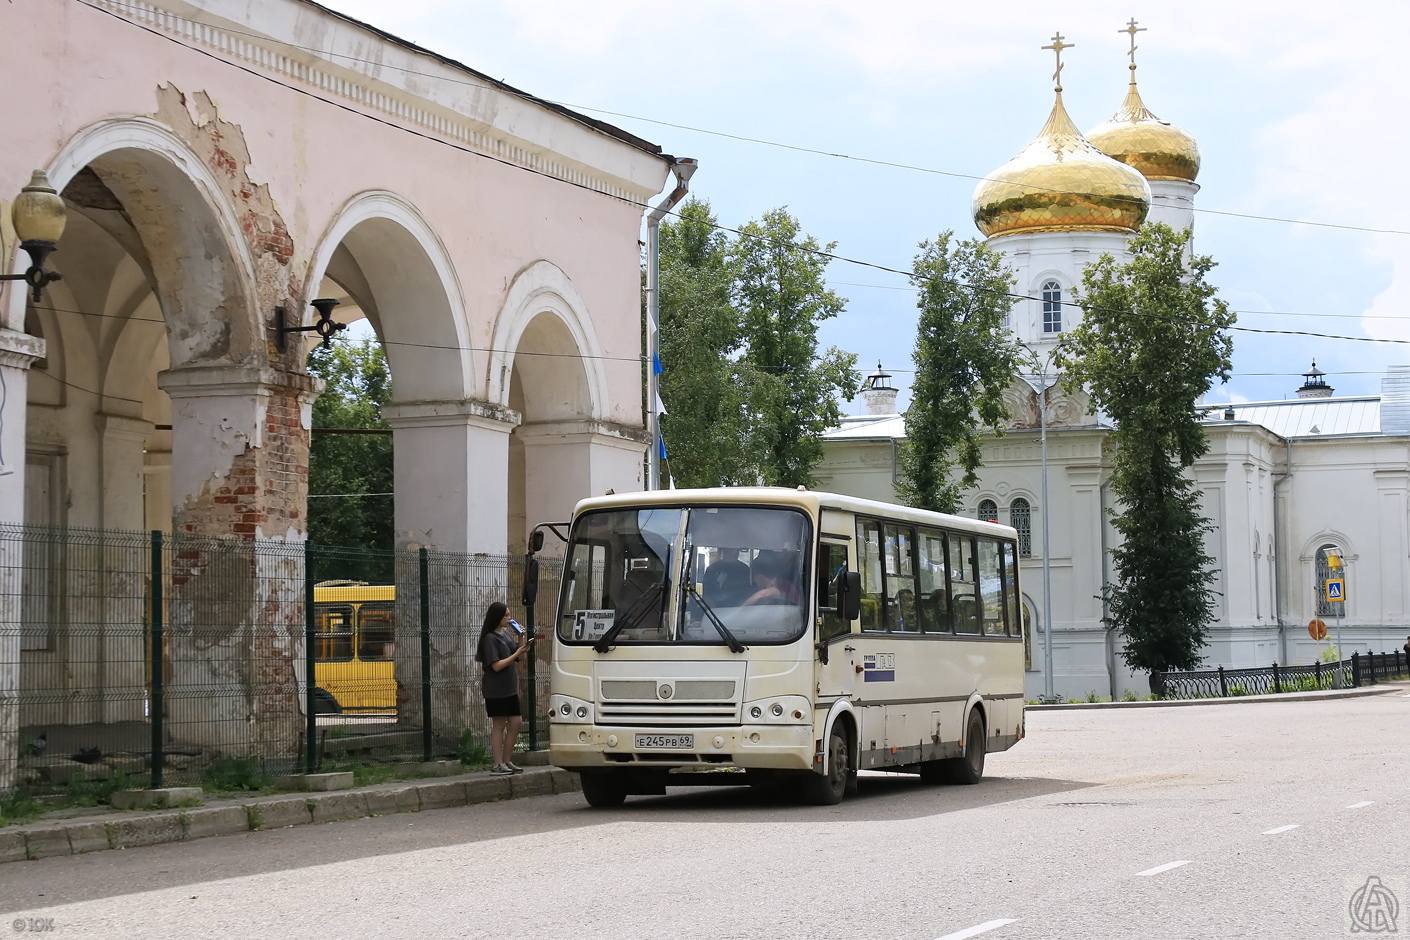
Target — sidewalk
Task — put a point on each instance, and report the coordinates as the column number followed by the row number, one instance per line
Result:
column 1380, row 688
column 97, row 830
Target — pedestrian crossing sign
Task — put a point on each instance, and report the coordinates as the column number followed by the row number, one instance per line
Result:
column 1336, row 589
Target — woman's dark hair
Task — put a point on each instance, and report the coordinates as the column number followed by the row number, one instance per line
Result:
column 493, row 616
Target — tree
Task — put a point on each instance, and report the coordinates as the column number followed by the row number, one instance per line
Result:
column 782, row 297
column 1152, row 339
column 342, row 467
column 965, row 361
column 705, row 384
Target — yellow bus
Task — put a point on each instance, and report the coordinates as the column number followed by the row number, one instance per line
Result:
column 355, row 636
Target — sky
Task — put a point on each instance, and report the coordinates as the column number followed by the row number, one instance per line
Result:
column 1298, row 108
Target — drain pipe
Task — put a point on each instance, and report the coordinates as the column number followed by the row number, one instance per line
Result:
column 1106, row 581
column 683, row 169
column 1278, row 556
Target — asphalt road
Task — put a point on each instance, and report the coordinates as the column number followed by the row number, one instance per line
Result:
column 1245, row 820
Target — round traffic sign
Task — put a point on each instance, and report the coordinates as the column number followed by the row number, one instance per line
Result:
column 1317, row 629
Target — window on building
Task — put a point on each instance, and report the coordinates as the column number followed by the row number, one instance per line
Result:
column 1052, row 307
column 988, row 511
column 1326, row 608
column 1021, row 518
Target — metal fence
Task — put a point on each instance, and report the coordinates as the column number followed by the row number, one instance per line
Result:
column 1360, row 669
column 155, row 659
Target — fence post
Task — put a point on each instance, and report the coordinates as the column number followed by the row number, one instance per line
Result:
column 425, row 566
column 158, row 676
column 310, row 673
column 1223, row 685
column 1356, row 670
column 1317, row 667
column 1277, row 679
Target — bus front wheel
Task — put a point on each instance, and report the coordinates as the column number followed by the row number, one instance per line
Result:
column 603, row 789
column 970, row 768
column 829, row 788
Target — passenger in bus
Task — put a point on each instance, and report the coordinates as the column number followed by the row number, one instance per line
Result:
column 499, row 652
column 726, row 582
column 771, row 582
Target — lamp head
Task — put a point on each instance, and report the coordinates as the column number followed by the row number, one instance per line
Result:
column 38, row 213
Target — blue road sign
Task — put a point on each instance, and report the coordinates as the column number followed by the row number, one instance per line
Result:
column 1336, row 589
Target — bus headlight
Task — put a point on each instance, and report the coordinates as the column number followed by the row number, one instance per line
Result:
column 582, row 710
column 756, row 713
column 777, row 710
column 567, row 709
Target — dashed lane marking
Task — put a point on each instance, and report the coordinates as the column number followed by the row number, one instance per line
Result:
column 1274, row 832
column 1160, row 868
column 978, row 929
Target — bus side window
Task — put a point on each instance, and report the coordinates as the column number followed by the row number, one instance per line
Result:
column 832, row 564
column 334, row 628
column 376, row 636
column 869, row 561
column 901, row 611
column 964, row 592
column 991, row 588
column 934, row 601
column 1011, row 602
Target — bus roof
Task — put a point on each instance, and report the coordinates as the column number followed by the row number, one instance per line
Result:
column 813, row 501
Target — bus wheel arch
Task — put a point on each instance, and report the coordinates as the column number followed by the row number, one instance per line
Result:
column 969, row 767
column 842, row 712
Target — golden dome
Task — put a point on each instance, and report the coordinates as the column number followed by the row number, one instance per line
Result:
column 1159, row 149
column 1061, row 183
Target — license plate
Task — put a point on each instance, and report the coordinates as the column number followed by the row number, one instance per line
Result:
column 675, row 742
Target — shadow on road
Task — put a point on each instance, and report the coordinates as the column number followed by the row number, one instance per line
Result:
column 29, row 886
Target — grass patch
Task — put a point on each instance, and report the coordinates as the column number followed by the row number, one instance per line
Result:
column 84, row 792
column 236, row 773
column 470, row 752
column 19, row 807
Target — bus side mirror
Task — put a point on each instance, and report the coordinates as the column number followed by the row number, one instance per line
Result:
column 850, row 602
column 535, row 541
column 531, row 578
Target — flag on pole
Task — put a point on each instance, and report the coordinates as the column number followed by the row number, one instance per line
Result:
column 660, row 405
column 656, row 363
column 661, row 442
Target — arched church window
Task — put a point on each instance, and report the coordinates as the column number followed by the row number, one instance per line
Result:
column 1021, row 518
column 1052, row 307
column 988, row 511
column 1324, row 571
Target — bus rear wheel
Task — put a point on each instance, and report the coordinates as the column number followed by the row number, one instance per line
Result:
column 970, row 768
column 829, row 788
column 603, row 789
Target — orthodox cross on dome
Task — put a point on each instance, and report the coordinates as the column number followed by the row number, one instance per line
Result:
column 1057, row 47
column 1133, row 29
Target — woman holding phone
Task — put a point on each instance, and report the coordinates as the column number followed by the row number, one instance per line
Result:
column 500, row 649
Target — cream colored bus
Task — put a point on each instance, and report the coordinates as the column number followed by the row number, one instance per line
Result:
column 788, row 634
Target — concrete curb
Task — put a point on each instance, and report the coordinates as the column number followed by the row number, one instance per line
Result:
column 1231, row 700
column 124, row 830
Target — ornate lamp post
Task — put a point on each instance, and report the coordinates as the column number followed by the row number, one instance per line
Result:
column 39, row 216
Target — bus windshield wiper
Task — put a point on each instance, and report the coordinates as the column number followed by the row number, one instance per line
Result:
column 638, row 609
column 730, row 639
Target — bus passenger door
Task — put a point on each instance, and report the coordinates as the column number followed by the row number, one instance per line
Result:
column 836, row 672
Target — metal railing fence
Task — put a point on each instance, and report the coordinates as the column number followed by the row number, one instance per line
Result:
column 150, row 659
column 1360, row 669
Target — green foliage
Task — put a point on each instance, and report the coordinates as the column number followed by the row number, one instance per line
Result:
column 1150, row 344
column 470, row 752
column 747, row 391
column 965, row 360
column 781, row 295
column 358, row 384
column 1238, row 689
column 18, row 807
column 1330, row 654
column 706, row 385
column 236, row 773
column 1130, row 696
column 85, row 792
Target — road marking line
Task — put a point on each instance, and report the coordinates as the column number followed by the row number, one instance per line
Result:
column 1363, row 803
column 1160, row 868
column 977, row 930
column 1274, row 832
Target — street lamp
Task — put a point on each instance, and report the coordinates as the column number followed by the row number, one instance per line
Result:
column 325, row 327
column 38, row 215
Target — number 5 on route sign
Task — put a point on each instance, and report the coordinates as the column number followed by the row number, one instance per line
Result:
column 1336, row 589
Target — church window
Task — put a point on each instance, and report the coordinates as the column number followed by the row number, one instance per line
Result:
column 1052, row 307
column 1021, row 518
column 988, row 511
column 1326, row 608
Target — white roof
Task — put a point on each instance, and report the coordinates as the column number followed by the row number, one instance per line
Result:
column 1294, row 417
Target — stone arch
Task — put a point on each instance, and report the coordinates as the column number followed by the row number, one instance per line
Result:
column 543, row 288
column 384, row 253
column 202, row 275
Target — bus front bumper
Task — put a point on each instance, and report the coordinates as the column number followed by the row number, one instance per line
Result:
column 576, row 746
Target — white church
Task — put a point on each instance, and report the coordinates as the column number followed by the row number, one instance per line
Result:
column 1285, row 483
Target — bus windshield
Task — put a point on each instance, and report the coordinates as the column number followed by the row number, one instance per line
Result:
column 676, row 575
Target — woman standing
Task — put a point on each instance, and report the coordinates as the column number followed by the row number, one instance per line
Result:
column 499, row 653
